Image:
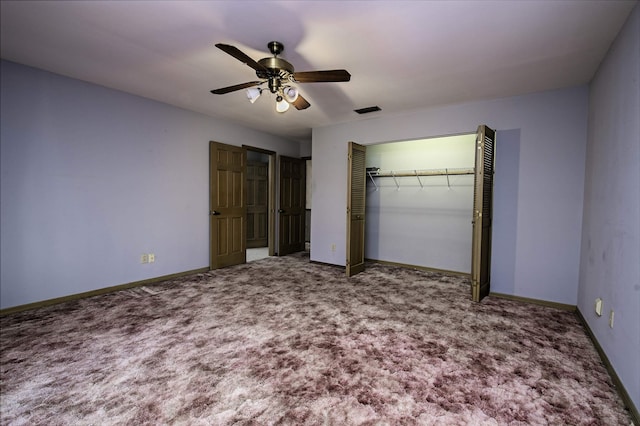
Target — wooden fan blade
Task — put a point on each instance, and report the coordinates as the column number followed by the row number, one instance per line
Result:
column 301, row 103
column 235, row 87
column 321, row 76
column 241, row 56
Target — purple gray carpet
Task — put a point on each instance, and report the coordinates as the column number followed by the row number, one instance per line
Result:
column 285, row 341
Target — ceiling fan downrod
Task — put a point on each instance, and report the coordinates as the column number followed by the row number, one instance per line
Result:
column 275, row 47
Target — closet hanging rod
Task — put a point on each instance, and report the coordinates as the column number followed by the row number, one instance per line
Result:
column 414, row 173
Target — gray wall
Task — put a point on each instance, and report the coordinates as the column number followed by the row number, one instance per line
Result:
column 93, row 177
column 610, row 261
column 541, row 145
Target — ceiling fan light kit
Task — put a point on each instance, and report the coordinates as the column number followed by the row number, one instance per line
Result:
column 290, row 94
column 278, row 74
column 253, row 93
column 281, row 104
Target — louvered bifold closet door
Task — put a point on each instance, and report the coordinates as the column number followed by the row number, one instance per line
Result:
column 356, row 209
column 482, row 213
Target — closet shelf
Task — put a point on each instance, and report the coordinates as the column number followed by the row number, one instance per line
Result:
column 373, row 172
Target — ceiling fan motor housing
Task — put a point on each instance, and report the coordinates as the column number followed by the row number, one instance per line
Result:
column 277, row 69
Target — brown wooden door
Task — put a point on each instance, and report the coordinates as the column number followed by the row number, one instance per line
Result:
column 257, row 204
column 227, row 200
column 482, row 213
column 356, row 188
column 292, row 205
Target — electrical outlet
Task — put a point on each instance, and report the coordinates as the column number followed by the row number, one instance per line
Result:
column 333, row 247
column 144, row 258
column 611, row 319
column 598, row 307
column 152, row 257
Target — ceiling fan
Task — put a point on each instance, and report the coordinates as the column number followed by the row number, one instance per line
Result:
column 278, row 74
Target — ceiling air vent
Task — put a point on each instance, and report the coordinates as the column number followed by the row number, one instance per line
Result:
column 367, row 110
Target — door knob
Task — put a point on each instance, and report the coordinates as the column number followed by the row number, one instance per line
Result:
column 280, row 211
column 214, row 213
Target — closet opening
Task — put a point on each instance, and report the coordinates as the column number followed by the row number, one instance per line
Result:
column 419, row 202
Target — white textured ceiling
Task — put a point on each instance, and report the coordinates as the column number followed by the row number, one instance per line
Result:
column 402, row 55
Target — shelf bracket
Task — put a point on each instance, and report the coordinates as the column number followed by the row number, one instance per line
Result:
column 372, row 180
column 393, row 174
column 419, row 181
column 446, row 171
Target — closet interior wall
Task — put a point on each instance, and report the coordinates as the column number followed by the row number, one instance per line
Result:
column 417, row 219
